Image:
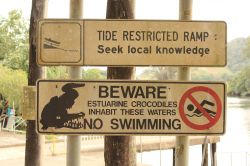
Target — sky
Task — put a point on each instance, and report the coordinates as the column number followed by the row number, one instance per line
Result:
column 233, row 12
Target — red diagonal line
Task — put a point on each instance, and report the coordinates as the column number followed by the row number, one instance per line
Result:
column 200, row 108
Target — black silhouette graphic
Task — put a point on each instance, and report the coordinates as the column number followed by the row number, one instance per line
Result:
column 55, row 113
column 197, row 112
column 53, row 44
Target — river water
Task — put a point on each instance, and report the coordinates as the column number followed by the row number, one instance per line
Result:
column 234, row 146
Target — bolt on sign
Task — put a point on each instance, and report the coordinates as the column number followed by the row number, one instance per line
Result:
column 130, row 107
column 131, row 43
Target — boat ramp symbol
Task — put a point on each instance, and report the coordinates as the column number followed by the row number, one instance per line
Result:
column 53, row 44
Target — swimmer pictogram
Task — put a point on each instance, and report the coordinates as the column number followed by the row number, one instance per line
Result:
column 197, row 112
column 196, row 109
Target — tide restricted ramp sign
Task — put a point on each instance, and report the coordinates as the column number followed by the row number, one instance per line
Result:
column 130, row 107
column 131, row 43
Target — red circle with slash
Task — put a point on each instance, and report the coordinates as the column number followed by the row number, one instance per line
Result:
column 188, row 96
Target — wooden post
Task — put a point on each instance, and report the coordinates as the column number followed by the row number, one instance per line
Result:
column 173, row 156
column 214, row 154
column 73, row 141
column 120, row 150
column 204, row 154
column 34, row 142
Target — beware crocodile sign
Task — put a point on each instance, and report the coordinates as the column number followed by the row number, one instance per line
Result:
column 130, row 107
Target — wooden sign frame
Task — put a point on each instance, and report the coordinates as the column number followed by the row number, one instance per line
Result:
column 131, row 43
column 130, row 107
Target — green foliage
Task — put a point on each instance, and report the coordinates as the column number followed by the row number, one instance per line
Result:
column 94, row 74
column 14, row 41
column 240, row 84
column 158, row 73
column 11, row 84
column 236, row 58
column 211, row 74
column 246, row 50
column 239, row 63
column 59, row 72
column 62, row 72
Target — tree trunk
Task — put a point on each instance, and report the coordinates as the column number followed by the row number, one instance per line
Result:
column 33, row 149
column 120, row 150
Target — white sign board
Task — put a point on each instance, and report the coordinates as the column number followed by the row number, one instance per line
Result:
column 131, row 43
column 130, row 107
